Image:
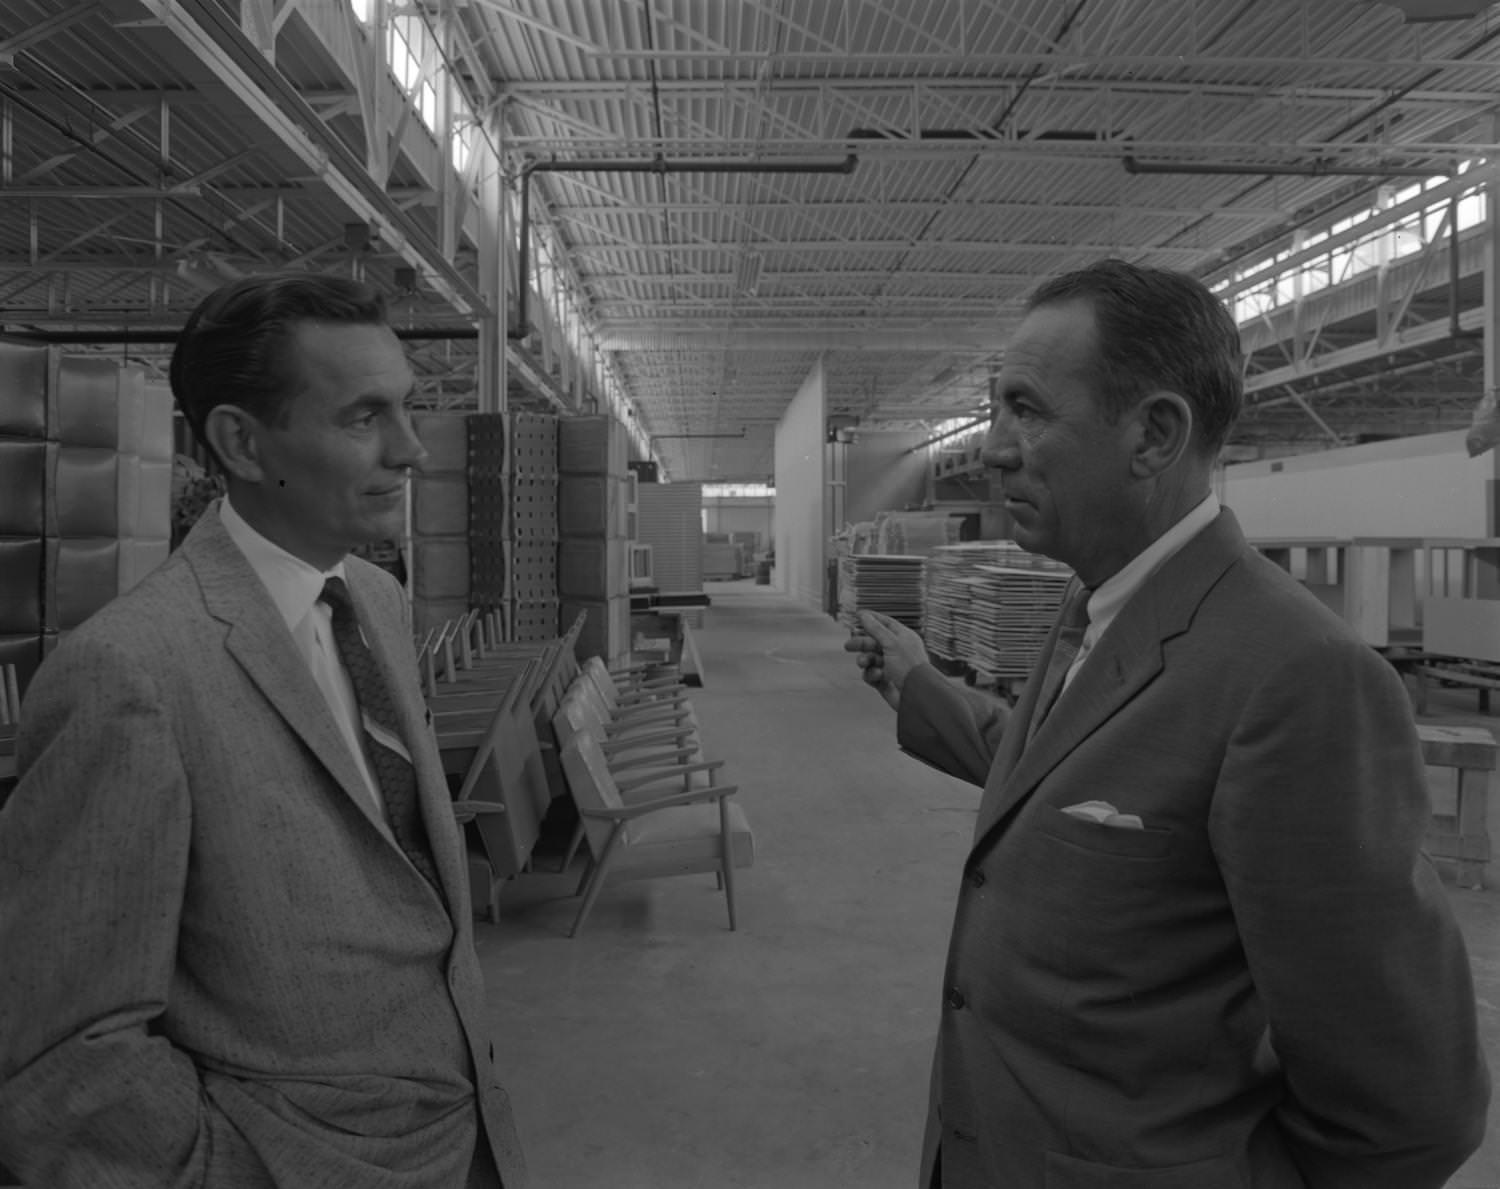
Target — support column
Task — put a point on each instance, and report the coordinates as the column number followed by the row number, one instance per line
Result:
column 494, row 267
column 1492, row 328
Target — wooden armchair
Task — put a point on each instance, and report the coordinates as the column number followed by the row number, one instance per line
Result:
column 665, row 828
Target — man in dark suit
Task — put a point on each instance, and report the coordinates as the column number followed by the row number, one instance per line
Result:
column 234, row 911
column 1196, row 945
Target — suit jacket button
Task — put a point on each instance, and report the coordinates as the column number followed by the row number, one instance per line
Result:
column 954, row 998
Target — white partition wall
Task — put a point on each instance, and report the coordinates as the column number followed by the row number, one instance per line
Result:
column 801, row 538
column 1425, row 486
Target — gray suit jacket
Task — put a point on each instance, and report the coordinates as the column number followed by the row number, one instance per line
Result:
column 1265, row 987
column 220, row 971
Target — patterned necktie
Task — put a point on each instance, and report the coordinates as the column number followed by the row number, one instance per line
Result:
column 390, row 765
column 1072, row 624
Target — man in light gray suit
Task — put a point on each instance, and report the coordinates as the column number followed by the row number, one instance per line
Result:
column 1196, row 944
column 234, row 912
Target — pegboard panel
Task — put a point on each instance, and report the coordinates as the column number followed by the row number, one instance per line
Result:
column 486, row 444
column 534, row 620
column 487, row 585
column 534, row 568
column 533, row 445
column 533, row 508
column 488, row 508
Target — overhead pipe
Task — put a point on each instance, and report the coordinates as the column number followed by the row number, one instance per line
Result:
column 658, row 165
column 1314, row 169
column 1454, row 329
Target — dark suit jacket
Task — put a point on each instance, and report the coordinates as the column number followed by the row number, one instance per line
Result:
column 219, row 971
column 1264, row 988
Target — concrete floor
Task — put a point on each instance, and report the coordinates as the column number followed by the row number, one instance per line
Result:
column 658, row 1050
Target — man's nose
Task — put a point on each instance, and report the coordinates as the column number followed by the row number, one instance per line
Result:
column 1000, row 448
column 406, row 449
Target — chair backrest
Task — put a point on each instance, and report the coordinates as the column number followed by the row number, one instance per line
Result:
column 592, row 787
column 575, row 629
column 603, row 709
column 598, row 673
column 564, row 676
column 10, row 696
column 507, row 769
column 575, row 716
column 470, row 638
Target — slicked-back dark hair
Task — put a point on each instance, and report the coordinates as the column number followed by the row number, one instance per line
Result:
column 235, row 346
column 1158, row 330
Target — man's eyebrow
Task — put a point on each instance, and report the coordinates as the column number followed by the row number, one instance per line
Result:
column 377, row 400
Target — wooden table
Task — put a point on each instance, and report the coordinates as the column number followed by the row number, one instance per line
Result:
column 670, row 623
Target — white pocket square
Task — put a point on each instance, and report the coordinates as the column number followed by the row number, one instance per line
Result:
column 1104, row 814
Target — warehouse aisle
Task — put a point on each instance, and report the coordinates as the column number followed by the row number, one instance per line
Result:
column 658, row 1050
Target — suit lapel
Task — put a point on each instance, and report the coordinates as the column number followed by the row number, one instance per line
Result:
column 1126, row 659
column 258, row 640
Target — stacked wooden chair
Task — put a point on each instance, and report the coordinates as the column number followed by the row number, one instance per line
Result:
column 649, row 804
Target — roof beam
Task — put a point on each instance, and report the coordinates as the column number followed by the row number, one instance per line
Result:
column 906, row 88
column 975, row 336
column 212, row 37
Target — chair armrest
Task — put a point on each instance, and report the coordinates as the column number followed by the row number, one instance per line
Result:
column 649, row 709
column 663, row 774
column 645, row 709
column 638, row 720
column 673, row 757
column 642, row 669
column 625, row 813
column 467, row 811
column 630, row 742
column 646, row 697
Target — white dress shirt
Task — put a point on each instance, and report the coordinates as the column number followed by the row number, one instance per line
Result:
column 295, row 587
column 1111, row 595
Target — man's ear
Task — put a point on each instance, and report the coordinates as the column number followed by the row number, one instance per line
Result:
column 1164, row 431
column 233, row 434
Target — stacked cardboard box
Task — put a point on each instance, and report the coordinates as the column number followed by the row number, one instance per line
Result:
column 85, row 492
column 440, row 522
column 593, row 573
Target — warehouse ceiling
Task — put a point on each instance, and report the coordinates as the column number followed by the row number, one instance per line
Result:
column 739, row 189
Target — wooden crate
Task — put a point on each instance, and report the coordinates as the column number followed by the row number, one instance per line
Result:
column 1463, row 835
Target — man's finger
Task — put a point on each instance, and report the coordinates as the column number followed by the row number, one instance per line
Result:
column 860, row 643
column 878, row 626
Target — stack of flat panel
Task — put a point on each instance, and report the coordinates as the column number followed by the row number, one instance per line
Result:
column 1013, row 610
column 948, row 584
column 891, row 583
column 989, row 605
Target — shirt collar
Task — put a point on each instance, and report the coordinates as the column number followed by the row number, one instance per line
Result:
column 1113, row 593
column 294, row 585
